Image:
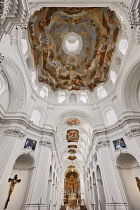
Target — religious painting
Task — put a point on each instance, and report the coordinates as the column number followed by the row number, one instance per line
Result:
column 77, row 40
column 30, row 144
column 73, row 121
column 72, row 151
column 95, row 157
column 72, row 157
column 71, row 166
column 72, row 146
column 119, row 143
column 72, row 135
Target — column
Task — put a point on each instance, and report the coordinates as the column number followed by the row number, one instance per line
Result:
column 113, row 194
column 40, row 185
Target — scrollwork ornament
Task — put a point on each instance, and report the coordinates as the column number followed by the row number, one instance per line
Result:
column 133, row 133
column 45, row 144
column 15, row 132
column 102, row 144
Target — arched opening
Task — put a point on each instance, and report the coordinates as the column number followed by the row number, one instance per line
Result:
column 49, row 188
column 95, row 200
column 129, row 171
column 100, row 187
column 91, row 192
column 72, row 194
column 23, row 168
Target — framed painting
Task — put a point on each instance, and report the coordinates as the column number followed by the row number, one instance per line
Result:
column 72, row 135
column 30, row 144
column 119, row 143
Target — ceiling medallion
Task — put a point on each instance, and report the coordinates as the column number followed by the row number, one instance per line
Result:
column 72, row 43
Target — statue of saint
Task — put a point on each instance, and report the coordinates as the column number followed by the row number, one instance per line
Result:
column 12, row 185
column 138, row 183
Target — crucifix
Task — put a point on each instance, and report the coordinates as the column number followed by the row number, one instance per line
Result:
column 12, row 185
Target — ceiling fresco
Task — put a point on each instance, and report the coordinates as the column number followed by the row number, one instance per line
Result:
column 72, row 157
column 72, row 135
column 73, row 47
column 72, row 146
column 73, row 121
column 72, row 151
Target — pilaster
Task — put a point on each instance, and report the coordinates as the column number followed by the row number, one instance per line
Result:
column 109, row 182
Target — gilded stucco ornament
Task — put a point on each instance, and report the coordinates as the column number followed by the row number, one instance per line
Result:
column 73, row 47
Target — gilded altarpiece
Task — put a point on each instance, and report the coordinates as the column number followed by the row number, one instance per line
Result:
column 72, row 195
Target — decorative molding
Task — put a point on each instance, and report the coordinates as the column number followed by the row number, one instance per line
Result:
column 135, row 12
column 45, row 144
column 102, row 144
column 14, row 12
column 15, row 132
column 133, row 133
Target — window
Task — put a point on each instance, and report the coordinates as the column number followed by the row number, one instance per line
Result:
column 111, row 117
column 113, row 76
column 84, row 97
column 36, row 116
column 24, row 46
column 44, row 92
column 61, row 97
column 101, row 92
column 123, row 46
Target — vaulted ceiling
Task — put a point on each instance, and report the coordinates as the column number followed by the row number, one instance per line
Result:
column 73, row 47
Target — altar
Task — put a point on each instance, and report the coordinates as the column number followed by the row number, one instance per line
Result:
column 72, row 200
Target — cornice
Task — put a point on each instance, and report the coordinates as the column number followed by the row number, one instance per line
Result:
column 15, row 132
column 133, row 133
column 102, row 144
column 47, row 144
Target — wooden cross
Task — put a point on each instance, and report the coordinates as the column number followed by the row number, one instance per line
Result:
column 12, row 185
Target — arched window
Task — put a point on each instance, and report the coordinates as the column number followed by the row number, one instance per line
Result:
column 36, row 116
column 84, row 97
column 123, row 46
column 44, row 92
column 101, row 92
column 24, row 46
column 113, row 76
column 61, row 97
column 111, row 117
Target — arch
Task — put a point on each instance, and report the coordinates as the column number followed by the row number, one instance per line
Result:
column 73, row 113
column 23, row 167
column 100, row 187
column 49, row 188
column 129, row 171
column 130, row 88
column 95, row 191
column 17, row 89
column 4, row 91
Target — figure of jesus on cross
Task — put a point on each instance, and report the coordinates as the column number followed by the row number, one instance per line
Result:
column 12, row 185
